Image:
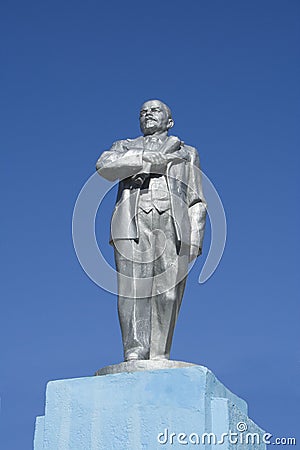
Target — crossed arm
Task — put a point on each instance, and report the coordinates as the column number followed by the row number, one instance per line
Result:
column 122, row 162
column 119, row 162
column 172, row 151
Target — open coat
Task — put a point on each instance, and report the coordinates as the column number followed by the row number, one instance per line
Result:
column 183, row 175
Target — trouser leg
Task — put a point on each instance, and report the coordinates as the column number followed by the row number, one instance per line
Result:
column 135, row 327
column 170, row 271
column 135, row 279
column 165, row 310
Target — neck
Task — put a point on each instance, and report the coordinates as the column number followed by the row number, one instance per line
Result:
column 160, row 134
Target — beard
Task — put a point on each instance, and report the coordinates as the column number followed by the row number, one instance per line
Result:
column 150, row 126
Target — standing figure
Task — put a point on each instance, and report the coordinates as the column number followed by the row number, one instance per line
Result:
column 157, row 228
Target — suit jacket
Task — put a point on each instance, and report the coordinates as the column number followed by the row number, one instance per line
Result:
column 182, row 170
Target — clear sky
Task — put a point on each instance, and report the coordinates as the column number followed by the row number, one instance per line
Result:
column 73, row 76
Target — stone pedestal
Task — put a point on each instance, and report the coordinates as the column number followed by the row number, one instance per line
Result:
column 145, row 410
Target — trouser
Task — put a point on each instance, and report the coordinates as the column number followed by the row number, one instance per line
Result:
column 151, row 281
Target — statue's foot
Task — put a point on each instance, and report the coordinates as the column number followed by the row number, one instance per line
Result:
column 136, row 354
column 132, row 357
column 159, row 357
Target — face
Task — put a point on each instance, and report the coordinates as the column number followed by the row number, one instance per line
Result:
column 154, row 118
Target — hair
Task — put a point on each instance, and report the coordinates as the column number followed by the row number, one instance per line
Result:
column 166, row 108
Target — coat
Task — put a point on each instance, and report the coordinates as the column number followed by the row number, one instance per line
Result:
column 188, row 207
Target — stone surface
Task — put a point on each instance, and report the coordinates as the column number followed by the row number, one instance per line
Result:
column 139, row 411
column 142, row 365
column 39, row 433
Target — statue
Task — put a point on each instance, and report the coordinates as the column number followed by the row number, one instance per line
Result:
column 157, row 229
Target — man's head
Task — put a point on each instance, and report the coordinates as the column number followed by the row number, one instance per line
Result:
column 155, row 117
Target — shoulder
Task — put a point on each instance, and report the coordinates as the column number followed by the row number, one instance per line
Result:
column 127, row 143
column 191, row 151
column 137, row 139
column 189, row 148
column 132, row 141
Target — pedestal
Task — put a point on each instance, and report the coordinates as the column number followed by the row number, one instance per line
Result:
column 145, row 410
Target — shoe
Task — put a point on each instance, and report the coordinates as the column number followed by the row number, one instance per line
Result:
column 160, row 358
column 136, row 354
column 132, row 357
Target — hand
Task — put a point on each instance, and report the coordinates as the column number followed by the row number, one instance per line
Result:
column 154, row 158
column 194, row 252
column 139, row 179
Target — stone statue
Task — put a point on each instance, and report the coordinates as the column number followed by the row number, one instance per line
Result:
column 157, row 228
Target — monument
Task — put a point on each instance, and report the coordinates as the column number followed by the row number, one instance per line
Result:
column 149, row 401
column 157, row 229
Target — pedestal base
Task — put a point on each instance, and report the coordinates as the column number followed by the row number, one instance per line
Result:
column 142, row 365
column 145, row 410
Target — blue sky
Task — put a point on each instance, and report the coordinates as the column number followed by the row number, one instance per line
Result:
column 73, row 76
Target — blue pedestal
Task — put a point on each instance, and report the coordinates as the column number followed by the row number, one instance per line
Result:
column 174, row 408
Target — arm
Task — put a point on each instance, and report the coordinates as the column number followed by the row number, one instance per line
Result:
column 119, row 162
column 172, row 151
column 197, row 206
